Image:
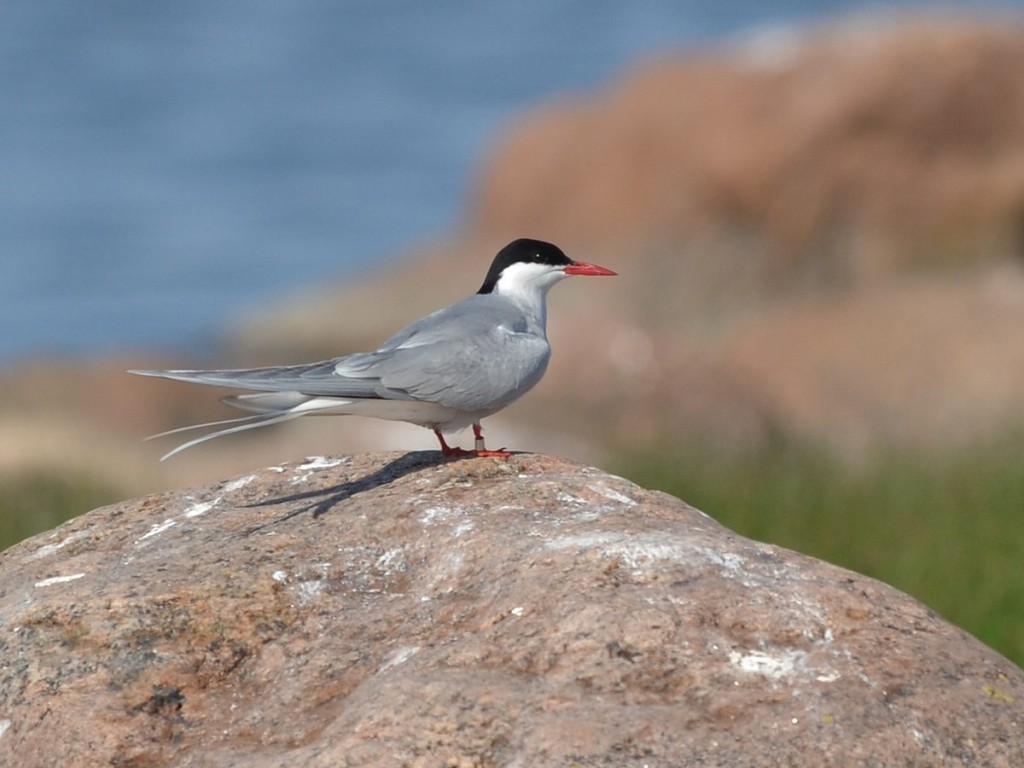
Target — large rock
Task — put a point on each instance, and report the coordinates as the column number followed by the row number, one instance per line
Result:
column 395, row 610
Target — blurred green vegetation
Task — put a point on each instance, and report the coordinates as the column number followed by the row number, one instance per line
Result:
column 945, row 528
column 37, row 501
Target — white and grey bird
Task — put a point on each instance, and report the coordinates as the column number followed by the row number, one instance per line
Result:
column 445, row 372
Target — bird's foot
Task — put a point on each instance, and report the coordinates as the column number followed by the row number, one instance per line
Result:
column 479, row 451
column 502, row 454
column 462, row 453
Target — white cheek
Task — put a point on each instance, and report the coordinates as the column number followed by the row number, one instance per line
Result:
column 527, row 278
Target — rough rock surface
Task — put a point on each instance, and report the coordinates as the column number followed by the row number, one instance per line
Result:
column 401, row 610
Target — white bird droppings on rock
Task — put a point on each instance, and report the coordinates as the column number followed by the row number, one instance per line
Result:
column 321, row 462
column 201, row 507
column 238, row 483
column 391, row 560
column 58, row 580
column 400, row 656
column 612, row 495
column 568, row 498
column 784, row 664
column 313, row 463
column 157, row 529
column 637, row 552
column 49, row 549
column 428, row 515
column 308, row 590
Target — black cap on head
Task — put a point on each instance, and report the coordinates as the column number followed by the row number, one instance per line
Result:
column 523, row 250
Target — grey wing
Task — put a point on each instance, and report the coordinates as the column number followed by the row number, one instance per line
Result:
column 473, row 355
column 478, row 373
column 472, row 317
column 320, row 378
column 356, row 375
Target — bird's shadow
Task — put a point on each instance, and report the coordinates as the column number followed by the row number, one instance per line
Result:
column 322, row 499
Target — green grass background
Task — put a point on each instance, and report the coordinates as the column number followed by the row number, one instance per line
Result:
column 38, row 501
column 946, row 528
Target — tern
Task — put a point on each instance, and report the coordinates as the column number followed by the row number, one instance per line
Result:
column 446, row 371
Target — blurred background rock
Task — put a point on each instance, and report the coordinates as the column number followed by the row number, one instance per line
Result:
column 817, row 334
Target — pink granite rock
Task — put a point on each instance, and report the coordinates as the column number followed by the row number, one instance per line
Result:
column 399, row 610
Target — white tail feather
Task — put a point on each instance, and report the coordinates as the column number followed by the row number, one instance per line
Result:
column 276, row 407
column 204, row 425
column 259, row 420
column 288, row 409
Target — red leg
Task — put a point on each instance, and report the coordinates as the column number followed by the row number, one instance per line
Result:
column 446, row 449
column 481, row 449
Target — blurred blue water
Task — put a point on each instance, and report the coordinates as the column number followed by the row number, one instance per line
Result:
column 166, row 166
